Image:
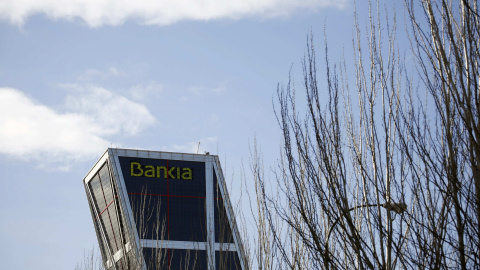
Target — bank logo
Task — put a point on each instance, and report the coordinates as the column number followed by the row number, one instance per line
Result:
column 139, row 170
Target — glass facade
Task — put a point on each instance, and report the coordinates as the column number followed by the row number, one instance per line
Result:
column 176, row 206
column 223, row 233
column 108, row 222
column 165, row 205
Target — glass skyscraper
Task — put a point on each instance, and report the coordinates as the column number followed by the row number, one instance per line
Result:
column 159, row 210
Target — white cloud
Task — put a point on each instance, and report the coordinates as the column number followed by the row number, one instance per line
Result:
column 143, row 92
column 160, row 12
column 112, row 114
column 32, row 131
column 92, row 74
column 206, row 144
column 200, row 90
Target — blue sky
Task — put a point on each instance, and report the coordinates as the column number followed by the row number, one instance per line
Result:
column 77, row 78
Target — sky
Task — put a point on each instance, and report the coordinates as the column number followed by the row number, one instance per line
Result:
column 79, row 76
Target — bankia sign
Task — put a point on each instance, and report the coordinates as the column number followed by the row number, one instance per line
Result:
column 167, row 197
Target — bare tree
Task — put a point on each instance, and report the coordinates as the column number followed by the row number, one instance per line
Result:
column 448, row 189
column 92, row 260
column 340, row 173
column 363, row 149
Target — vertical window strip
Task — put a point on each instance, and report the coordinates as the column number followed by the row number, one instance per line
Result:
column 108, row 212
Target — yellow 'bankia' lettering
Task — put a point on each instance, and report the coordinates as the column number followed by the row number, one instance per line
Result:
column 170, row 175
column 149, row 171
column 159, row 168
column 138, row 167
column 187, row 174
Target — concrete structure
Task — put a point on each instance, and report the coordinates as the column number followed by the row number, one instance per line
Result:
column 159, row 210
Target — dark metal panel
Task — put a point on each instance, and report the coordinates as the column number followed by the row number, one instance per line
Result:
column 223, row 232
column 157, row 259
column 166, row 196
column 227, row 260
